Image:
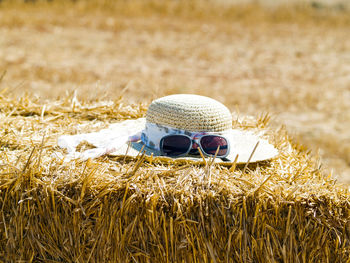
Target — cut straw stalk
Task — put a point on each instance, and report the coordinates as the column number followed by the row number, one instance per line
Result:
column 250, row 157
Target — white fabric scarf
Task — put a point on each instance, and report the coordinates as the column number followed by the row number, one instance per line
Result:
column 106, row 141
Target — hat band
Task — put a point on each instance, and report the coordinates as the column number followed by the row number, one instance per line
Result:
column 153, row 133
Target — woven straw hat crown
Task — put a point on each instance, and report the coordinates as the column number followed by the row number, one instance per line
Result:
column 190, row 113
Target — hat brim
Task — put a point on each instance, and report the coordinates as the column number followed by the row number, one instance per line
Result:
column 248, row 146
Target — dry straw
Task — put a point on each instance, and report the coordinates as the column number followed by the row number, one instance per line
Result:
column 128, row 210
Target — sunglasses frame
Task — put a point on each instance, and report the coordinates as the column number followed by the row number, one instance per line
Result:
column 197, row 141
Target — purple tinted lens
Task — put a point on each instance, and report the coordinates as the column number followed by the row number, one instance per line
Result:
column 210, row 144
column 175, row 145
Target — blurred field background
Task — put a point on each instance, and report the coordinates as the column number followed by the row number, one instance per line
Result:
column 288, row 58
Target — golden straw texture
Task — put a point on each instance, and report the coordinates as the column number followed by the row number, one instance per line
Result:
column 129, row 210
column 190, row 113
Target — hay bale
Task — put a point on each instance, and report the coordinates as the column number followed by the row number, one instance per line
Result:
column 121, row 210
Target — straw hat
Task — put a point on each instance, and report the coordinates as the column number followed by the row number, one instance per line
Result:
column 174, row 114
column 190, row 112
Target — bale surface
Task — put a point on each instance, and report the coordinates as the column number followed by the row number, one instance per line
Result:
column 129, row 210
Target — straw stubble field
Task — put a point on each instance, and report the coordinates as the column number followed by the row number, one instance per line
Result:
column 73, row 57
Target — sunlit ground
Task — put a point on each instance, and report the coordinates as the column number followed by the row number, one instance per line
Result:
column 292, row 61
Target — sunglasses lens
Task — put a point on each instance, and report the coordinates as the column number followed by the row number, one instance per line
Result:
column 210, row 144
column 175, row 145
